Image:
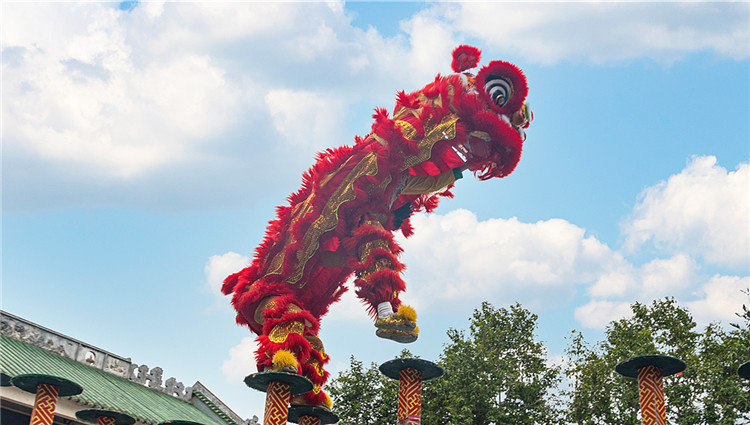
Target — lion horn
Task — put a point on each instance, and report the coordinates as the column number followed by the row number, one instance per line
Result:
column 465, row 57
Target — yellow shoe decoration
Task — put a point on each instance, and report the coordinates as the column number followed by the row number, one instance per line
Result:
column 404, row 320
column 283, row 361
column 404, row 337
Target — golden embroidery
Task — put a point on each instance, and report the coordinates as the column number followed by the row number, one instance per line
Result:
column 280, row 332
column 446, row 130
column 380, row 140
column 380, row 188
column 407, row 130
column 328, row 178
column 383, row 264
column 366, row 248
column 316, row 344
column 328, row 217
column 265, row 304
column 402, row 110
column 299, row 211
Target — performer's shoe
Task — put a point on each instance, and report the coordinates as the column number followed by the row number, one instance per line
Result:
column 404, row 320
column 403, row 337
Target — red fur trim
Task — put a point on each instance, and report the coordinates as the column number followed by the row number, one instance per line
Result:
column 374, row 256
column 378, row 287
column 310, row 372
column 294, row 343
column 406, row 228
column 312, row 399
column 465, row 57
column 409, row 101
column 514, row 75
column 506, row 147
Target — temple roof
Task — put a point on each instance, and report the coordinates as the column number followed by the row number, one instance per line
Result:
column 102, row 390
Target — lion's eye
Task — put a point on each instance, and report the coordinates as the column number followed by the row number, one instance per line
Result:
column 499, row 88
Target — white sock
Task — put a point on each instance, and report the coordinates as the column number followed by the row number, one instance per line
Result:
column 385, row 310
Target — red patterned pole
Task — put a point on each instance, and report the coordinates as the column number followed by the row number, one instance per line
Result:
column 309, row 420
column 410, row 374
column 279, row 387
column 105, row 420
column 651, row 396
column 277, row 403
column 410, row 397
column 44, row 405
column 650, row 370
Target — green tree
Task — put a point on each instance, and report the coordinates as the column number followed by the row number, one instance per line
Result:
column 497, row 374
column 707, row 392
column 365, row 396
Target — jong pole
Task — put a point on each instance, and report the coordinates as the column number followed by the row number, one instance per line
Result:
column 649, row 370
column 410, row 374
column 104, row 417
column 310, row 415
column 279, row 388
column 48, row 389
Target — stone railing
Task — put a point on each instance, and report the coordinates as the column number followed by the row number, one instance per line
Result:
column 33, row 334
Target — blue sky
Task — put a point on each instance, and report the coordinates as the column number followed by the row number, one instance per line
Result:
column 145, row 147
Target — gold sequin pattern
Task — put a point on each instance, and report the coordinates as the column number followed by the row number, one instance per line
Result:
column 366, row 248
column 316, row 344
column 328, row 217
column 381, row 264
column 446, row 130
column 299, row 211
column 265, row 304
column 280, row 332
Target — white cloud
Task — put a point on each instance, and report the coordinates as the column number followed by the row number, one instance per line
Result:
column 661, row 277
column 703, row 211
column 123, row 99
column 722, row 298
column 218, row 268
column 82, row 96
column 604, row 31
column 241, row 361
column 307, row 120
column 455, row 258
column 597, row 314
column 349, row 309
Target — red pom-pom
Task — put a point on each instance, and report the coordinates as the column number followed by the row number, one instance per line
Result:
column 465, row 57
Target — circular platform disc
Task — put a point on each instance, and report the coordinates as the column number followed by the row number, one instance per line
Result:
column 91, row 415
column 4, row 380
column 393, row 368
column 744, row 370
column 669, row 365
column 297, row 384
column 179, row 422
column 297, row 412
column 29, row 383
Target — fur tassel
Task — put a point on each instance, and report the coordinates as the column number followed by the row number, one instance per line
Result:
column 465, row 57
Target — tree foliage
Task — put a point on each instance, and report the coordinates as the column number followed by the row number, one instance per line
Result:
column 707, row 392
column 496, row 372
column 365, row 396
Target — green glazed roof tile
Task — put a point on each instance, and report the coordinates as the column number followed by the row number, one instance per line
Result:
column 101, row 390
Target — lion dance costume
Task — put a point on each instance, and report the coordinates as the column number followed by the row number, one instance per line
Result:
column 341, row 221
